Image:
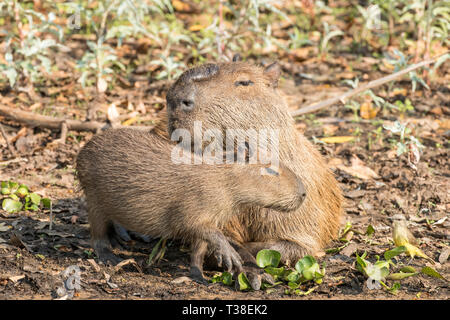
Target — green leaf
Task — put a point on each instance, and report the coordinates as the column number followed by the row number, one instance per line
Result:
column 35, row 198
column 293, row 276
column 401, row 275
column 46, row 202
column 394, row 289
column 5, row 188
column 370, row 230
column 388, row 255
column 11, row 206
column 307, row 266
column 347, row 228
column 408, row 269
column 226, row 278
column 14, row 197
column 304, row 293
column 268, row 258
column 275, row 272
column 244, row 284
column 432, row 273
column 13, row 186
column 22, row 191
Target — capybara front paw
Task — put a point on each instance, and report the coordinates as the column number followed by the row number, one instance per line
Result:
column 228, row 258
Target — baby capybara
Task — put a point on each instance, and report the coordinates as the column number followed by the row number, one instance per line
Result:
column 129, row 177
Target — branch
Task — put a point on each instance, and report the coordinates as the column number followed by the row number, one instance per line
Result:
column 36, row 120
column 372, row 84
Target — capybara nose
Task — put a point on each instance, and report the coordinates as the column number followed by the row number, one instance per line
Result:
column 187, row 104
column 301, row 189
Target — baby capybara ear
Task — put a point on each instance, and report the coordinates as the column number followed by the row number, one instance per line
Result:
column 273, row 72
column 237, row 57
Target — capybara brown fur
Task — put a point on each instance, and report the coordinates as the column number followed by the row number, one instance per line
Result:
column 129, row 177
column 239, row 95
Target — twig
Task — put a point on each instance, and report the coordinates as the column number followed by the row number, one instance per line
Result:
column 37, row 120
column 53, row 123
column 51, row 216
column 10, row 148
column 372, row 84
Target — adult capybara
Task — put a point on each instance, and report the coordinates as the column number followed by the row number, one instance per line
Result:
column 244, row 97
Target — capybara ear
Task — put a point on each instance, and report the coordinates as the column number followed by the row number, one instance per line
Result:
column 273, row 72
column 237, row 57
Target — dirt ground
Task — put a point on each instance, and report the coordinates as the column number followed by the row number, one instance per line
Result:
column 32, row 257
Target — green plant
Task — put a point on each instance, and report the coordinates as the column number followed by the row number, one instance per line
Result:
column 407, row 143
column 375, row 136
column 404, row 107
column 379, row 272
column 18, row 196
column 328, row 34
column 27, row 50
column 401, row 62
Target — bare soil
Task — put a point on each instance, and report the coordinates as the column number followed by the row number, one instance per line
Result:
column 32, row 257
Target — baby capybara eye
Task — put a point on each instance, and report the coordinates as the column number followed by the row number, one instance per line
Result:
column 244, row 83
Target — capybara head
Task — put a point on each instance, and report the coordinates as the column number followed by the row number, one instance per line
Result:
column 234, row 95
column 268, row 186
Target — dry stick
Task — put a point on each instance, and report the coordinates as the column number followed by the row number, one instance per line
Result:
column 372, row 84
column 11, row 149
column 37, row 120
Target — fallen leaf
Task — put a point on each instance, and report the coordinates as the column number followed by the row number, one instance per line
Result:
column 180, row 6
column 403, row 237
column 4, row 227
column 301, row 53
column 338, row 139
column 179, row 280
column 94, row 265
column 399, row 91
column 358, row 169
column 329, row 129
column 349, row 250
column 196, row 27
column 367, row 111
column 443, row 257
column 437, row 111
column 15, row 279
column 126, row 262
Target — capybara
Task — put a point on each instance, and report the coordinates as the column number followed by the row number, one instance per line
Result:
column 240, row 95
column 129, row 177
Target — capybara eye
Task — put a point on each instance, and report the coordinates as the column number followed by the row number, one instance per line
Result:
column 272, row 172
column 187, row 104
column 245, row 83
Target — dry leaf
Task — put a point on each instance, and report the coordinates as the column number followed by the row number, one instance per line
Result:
column 300, row 53
column 359, row 170
column 94, row 265
column 399, row 91
column 338, row 139
column 112, row 113
column 102, row 85
column 196, row 27
column 329, row 129
column 403, row 237
column 180, row 6
column 367, row 111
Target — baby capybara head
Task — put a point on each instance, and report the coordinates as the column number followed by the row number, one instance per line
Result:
column 275, row 187
column 234, row 95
